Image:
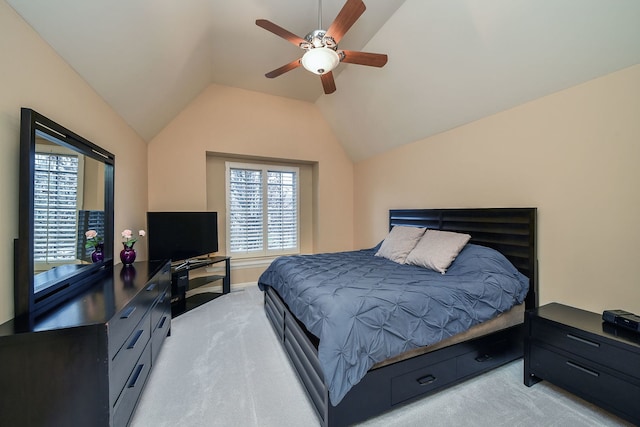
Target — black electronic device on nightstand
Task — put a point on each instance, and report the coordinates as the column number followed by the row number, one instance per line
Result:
column 576, row 350
column 622, row 318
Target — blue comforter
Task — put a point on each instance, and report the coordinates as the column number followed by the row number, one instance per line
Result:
column 365, row 309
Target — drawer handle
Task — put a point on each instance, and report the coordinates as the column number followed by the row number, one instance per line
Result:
column 128, row 312
column 151, row 287
column 136, row 375
column 583, row 341
column 161, row 323
column 583, row 369
column 162, row 297
column 426, row 380
column 135, row 339
column 484, row 358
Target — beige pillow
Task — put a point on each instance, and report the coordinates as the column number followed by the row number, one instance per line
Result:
column 437, row 249
column 399, row 242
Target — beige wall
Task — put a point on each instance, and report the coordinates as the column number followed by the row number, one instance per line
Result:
column 93, row 185
column 33, row 75
column 238, row 122
column 574, row 155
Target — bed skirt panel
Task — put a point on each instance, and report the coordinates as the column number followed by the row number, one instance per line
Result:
column 302, row 354
column 296, row 347
column 394, row 385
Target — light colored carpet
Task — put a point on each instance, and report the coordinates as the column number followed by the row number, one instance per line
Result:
column 222, row 366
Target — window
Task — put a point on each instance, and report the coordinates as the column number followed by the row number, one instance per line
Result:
column 55, row 206
column 262, row 209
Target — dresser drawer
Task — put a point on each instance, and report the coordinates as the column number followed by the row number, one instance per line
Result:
column 124, row 322
column 162, row 304
column 164, row 278
column 135, row 382
column 587, row 380
column 582, row 343
column 160, row 322
column 160, row 333
column 422, row 381
column 123, row 364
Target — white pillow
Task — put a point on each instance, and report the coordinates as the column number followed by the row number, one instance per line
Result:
column 399, row 242
column 437, row 249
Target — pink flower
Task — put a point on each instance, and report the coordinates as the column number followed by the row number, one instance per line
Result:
column 128, row 239
column 93, row 240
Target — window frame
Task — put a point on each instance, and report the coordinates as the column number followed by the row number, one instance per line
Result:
column 264, row 168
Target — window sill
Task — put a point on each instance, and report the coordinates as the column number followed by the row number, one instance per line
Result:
column 251, row 262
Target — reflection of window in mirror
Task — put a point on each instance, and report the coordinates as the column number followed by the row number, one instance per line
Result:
column 91, row 211
column 57, row 198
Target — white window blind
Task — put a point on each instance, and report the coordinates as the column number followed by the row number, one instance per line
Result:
column 262, row 209
column 55, row 206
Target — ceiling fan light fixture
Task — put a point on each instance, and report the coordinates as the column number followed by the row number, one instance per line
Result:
column 320, row 60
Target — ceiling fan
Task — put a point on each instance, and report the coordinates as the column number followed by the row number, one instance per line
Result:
column 322, row 55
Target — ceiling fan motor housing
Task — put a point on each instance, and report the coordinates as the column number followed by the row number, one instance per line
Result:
column 318, row 38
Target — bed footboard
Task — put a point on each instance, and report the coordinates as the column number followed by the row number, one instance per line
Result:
column 393, row 385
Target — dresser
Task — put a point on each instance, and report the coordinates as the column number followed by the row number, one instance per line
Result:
column 86, row 362
column 574, row 349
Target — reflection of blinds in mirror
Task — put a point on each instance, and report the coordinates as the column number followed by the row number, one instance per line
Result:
column 88, row 220
column 55, row 204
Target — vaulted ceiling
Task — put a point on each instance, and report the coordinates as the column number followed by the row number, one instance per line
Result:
column 450, row 61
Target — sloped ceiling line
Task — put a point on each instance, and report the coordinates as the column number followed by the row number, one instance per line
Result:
column 450, row 62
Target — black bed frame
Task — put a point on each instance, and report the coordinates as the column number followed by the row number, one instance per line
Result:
column 512, row 231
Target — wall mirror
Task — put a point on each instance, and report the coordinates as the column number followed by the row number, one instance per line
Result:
column 66, row 189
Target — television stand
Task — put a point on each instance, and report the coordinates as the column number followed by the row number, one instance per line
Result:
column 192, row 263
column 181, row 282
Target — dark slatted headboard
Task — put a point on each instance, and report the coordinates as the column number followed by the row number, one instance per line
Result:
column 512, row 231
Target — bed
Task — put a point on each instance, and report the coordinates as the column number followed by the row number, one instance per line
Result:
column 417, row 370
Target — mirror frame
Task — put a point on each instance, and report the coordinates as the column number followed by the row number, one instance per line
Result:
column 64, row 285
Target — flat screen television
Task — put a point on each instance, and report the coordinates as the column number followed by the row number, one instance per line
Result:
column 182, row 236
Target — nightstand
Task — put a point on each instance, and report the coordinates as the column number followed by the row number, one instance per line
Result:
column 574, row 349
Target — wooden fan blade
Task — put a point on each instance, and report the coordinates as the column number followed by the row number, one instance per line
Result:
column 348, row 15
column 364, row 58
column 279, row 71
column 279, row 31
column 328, row 83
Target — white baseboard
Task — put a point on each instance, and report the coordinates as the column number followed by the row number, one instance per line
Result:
column 217, row 287
column 240, row 286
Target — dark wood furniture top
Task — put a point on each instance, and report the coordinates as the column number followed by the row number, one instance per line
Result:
column 512, row 231
column 577, row 351
column 86, row 362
